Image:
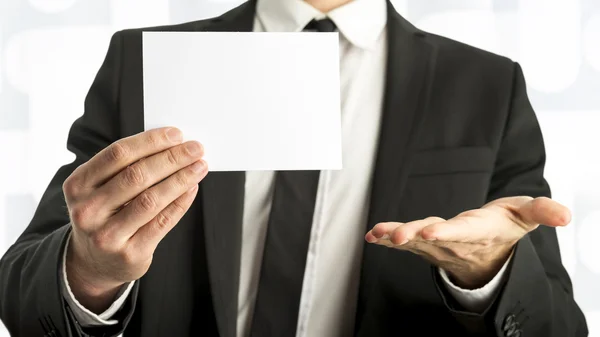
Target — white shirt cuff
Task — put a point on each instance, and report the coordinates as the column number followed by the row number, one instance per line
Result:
column 85, row 317
column 476, row 300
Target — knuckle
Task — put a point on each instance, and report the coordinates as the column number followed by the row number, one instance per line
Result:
column 117, row 152
column 181, row 180
column 74, row 184
column 102, row 240
column 146, row 202
column 163, row 221
column 171, row 157
column 81, row 213
column 70, row 186
column 133, row 176
column 179, row 207
column 129, row 256
column 155, row 139
column 78, row 216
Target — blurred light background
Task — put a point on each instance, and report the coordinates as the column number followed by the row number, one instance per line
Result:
column 50, row 51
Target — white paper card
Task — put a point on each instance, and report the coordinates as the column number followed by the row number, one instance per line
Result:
column 256, row 101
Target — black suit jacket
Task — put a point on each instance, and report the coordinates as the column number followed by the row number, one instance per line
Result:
column 457, row 131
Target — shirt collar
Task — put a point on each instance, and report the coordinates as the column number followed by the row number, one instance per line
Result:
column 359, row 21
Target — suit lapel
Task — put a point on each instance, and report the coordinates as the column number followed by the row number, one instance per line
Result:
column 222, row 196
column 408, row 84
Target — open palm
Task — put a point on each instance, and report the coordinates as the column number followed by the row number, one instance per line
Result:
column 475, row 244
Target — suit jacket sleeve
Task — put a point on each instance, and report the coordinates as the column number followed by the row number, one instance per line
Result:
column 31, row 303
column 537, row 298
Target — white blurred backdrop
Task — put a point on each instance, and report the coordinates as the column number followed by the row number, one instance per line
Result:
column 50, row 51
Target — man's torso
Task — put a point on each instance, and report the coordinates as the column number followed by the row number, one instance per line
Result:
column 443, row 112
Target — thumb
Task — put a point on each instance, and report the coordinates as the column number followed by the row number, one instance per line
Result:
column 544, row 211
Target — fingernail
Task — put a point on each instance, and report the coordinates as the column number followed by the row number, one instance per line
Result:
column 193, row 189
column 174, row 135
column 197, row 167
column 193, row 148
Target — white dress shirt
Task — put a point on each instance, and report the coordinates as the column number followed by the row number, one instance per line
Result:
column 330, row 286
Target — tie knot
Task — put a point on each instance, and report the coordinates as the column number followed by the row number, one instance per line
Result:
column 323, row 25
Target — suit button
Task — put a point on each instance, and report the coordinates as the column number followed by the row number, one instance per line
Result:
column 509, row 322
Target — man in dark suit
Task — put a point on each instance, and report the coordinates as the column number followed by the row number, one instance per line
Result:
column 440, row 222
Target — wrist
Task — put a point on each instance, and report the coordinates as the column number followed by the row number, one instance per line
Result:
column 476, row 275
column 90, row 291
column 469, row 280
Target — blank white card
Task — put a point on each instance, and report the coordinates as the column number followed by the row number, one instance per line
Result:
column 256, row 101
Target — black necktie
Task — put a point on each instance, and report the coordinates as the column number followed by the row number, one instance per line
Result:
column 288, row 235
